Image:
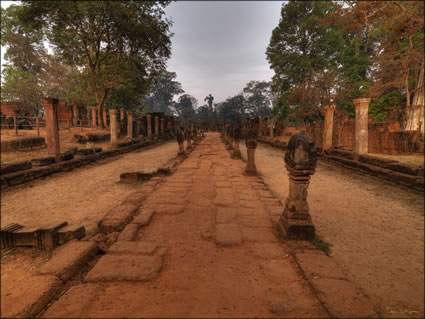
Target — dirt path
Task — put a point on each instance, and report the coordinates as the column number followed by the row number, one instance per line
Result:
column 220, row 257
column 376, row 230
column 81, row 196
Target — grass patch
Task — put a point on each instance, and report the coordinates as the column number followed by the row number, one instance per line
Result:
column 321, row 244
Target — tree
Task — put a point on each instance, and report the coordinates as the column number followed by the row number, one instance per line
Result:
column 258, row 98
column 162, row 92
column 212, row 111
column 303, row 52
column 186, row 107
column 232, row 109
column 121, row 45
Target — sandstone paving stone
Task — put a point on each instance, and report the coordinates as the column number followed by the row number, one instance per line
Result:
column 136, row 198
column 227, row 200
column 251, row 203
column 133, row 247
column 226, row 215
column 223, row 184
column 228, row 235
column 258, row 234
column 129, row 232
column 342, row 300
column 169, row 209
column 75, row 302
column 68, row 259
column 280, row 270
column 117, row 218
column 113, row 267
column 29, row 297
column 267, row 251
column 144, row 217
column 316, row 264
column 254, row 221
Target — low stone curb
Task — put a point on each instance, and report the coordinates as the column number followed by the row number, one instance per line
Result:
column 338, row 296
column 22, row 172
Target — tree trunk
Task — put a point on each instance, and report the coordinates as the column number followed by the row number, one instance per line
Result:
column 416, row 108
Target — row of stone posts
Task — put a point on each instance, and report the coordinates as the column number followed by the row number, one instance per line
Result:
column 191, row 133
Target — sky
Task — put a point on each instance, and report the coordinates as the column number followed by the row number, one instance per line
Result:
column 219, row 46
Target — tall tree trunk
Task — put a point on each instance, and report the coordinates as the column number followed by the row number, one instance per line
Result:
column 418, row 101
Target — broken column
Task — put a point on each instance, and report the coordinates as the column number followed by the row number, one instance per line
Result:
column 130, row 125
column 156, row 121
column 52, row 128
column 251, row 145
column 149, row 125
column 328, row 126
column 113, row 125
column 300, row 162
column 105, row 118
column 361, row 126
column 93, row 116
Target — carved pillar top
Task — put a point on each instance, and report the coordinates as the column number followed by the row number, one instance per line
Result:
column 301, row 153
column 361, row 101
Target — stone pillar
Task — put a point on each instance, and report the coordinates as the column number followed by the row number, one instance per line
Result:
column 93, row 116
column 121, row 115
column 260, row 129
column 74, row 115
column 271, row 127
column 52, row 126
column 105, row 118
column 265, row 126
column 236, row 139
column 162, row 126
column 251, row 145
column 149, row 125
column 130, row 125
column 156, row 120
column 361, row 126
column 113, row 125
column 300, row 162
column 328, row 126
column 179, row 131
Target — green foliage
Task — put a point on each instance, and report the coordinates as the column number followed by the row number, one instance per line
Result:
column 379, row 108
column 186, row 107
column 258, row 98
column 232, row 109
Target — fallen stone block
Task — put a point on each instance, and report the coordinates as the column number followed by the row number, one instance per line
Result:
column 134, row 177
column 19, row 177
column 419, row 184
column 69, row 165
column 227, row 235
column 14, row 167
column 42, row 171
column 117, row 218
column 85, row 151
column 136, row 198
column 144, row 216
column 29, row 297
column 69, row 232
column 133, row 248
column 66, row 156
column 402, row 179
column 128, row 233
column 225, row 215
column 126, row 268
column 341, row 299
column 42, row 161
column 67, row 260
column 404, row 168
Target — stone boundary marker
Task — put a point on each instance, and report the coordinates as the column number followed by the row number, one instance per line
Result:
column 339, row 297
column 29, row 298
column 408, row 175
column 24, row 171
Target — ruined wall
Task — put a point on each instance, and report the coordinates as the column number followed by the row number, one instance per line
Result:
column 315, row 131
column 8, row 108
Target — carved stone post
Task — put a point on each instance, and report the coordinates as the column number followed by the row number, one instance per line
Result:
column 52, row 126
column 130, row 125
column 121, row 115
column 230, row 137
column 361, row 126
column 179, row 131
column 328, row 126
column 74, row 115
column 149, row 125
column 271, row 127
column 300, row 162
column 236, row 139
column 93, row 117
column 251, row 145
column 105, row 118
column 188, row 136
column 265, row 127
column 260, row 128
column 156, row 121
column 113, row 125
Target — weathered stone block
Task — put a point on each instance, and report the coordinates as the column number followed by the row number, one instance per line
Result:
column 402, row 179
column 70, row 232
column 69, row 165
column 66, row 156
column 382, row 162
column 419, row 184
column 117, row 218
column 129, row 232
column 226, row 215
column 133, row 248
column 68, row 259
column 404, row 168
column 85, row 151
column 228, row 235
column 126, row 268
column 134, row 177
column 14, row 167
column 27, row 298
column 315, row 264
column 144, row 216
column 19, row 177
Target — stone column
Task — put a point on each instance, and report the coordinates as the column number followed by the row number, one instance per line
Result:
column 236, row 139
column 251, row 145
column 361, row 126
column 328, row 126
column 179, row 131
column 156, row 120
column 52, row 127
column 271, row 127
column 93, row 117
column 121, row 115
column 130, row 125
column 113, row 125
column 265, row 126
column 162, row 126
column 260, row 129
column 74, row 115
column 105, row 118
column 149, row 125
column 300, row 162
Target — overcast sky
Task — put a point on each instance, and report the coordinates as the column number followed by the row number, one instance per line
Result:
column 219, row 46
